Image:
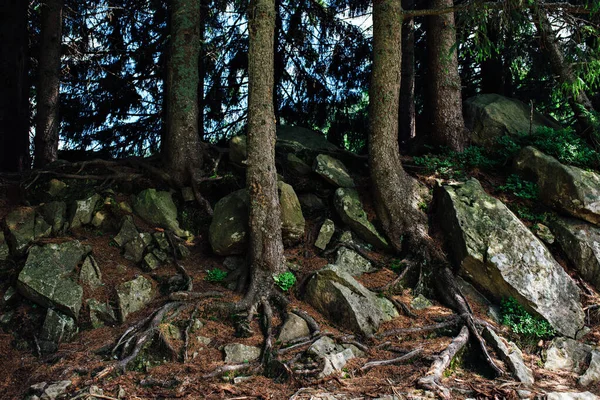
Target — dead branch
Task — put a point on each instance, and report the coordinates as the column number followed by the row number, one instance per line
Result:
column 431, row 381
column 398, row 360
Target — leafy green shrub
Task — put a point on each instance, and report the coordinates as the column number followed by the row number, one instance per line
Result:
column 285, row 280
column 521, row 322
column 520, row 187
column 215, row 275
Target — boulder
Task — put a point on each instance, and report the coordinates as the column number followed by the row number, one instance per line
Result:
column 296, row 166
column 420, row 302
column 56, row 188
column 228, row 232
column 100, row 313
column 511, row 355
column 352, row 262
column 158, row 209
column 151, row 262
column 337, row 295
column 333, row 171
column 41, row 228
column 491, row 116
column 90, row 273
column 236, row 353
column 82, row 211
column 567, row 355
column 350, row 209
column 46, row 277
column 592, row 374
column 128, row 232
column 571, row 396
column 293, row 328
column 311, row 204
column 134, row 249
column 569, row 189
column 20, row 224
column 325, row 234
column 57, row 328
column 334, row 357
column 496, row 252
column 133, row 295
column 581, row 243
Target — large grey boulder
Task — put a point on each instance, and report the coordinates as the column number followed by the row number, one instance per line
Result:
column 82, row 211
column 20, row 224
column 47, row 277
column 228, row 231
column 581, row 243
column 491, row 116
column 498, row 254
column 350, row 209
column 293, row 328
column 298, row 139
column 133, row 295
column 569, row 189
column 333, row 171
column 157, row 208
column 337, row 295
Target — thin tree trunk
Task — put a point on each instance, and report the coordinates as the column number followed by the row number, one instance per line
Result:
column 48, row 85
column 407, row 84
column 183, row 153
column 445, row 101
column 579, row 101
column 266, row 246
column 14, row 87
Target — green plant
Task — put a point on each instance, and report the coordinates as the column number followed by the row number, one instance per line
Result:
column 215, row 275
column 521, row 322
column 520, row 187
column 397, row 265
column 528, row 214
column 285, row 280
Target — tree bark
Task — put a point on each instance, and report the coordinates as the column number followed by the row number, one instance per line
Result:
column 182, row 150
column 407, row 84
column 445, row 101
column 578, row 99
column 204, row 9
column 14, row 87
column 266, row 246
column 48, row 84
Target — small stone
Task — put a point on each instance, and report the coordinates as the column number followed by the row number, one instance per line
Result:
column 238, row 353
column 321, row 347
column 567, row 354
column 55, row 214
column 151, row 262
column 197, row 325
column 99, row 219
column 325, row 233
column 157, row 208
column 182, row 251
column 126, row 207
column 352, row 262
column 544, row 233
column 203, row 340
column 161, row 240
column 127, row 233
column 134, row 249
column 121, row 394
column 132, row 296
column 90, row 273
column 38, row 388
column 21, row 229
column 42, row 229
column 81, row 211
column 10, row 294
column 293, row 328
column 420, row 302
column 571, row 396
column 56, row 389
column 240, row 379
column 171, row 332
column 234, row 263
column 7, row 317
column 100, row 313
column 160, row 255
column 95, row 390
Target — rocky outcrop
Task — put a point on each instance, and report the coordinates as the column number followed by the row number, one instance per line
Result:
column 581, row 243
column 157, row 208
column 499, row 254
column 347, row 303
column 569, row 189
column 350, row 209
column 47, row 277
column 333, row 171
column 491, row 116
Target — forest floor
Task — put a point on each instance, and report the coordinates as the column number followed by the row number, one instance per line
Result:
column 82, row 359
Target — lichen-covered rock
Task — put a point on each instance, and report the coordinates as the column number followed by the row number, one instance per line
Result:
column 569, row 189
column 100, row 313
column 325, row 234
column 420, row 302
column 47, row 275
column 292, row 220
column 347, row 303
column 133, row 295
column 567, row 355
column 41, row 228
column 134, row 249
column 581, row 243
column 21, row 229
column 298, row 139
column 151, row 262
column 352, row 262
column 55, row 214
column 128, row 232
column 157, row 208
column 90, row 273
column 350, row 209
column 57, row 328
column 498, row 253
column 333, row 171
column 311, row 204
column 511, row 355
column 236, row 353
column 491, row 116
column 82, row 211
column 293, row 328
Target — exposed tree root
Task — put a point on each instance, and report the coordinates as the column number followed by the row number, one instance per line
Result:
column 452, row 322
column 312, row 324
column 191, row 296
column 189, row 284
column 187, row 335
column 431, row 381
column 401, row 307
column 399, row 360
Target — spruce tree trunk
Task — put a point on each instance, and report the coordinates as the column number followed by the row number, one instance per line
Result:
column 48, row 84
column 396, row 193
column 266, row 246
column 204, row 9
column 407, row 84
column 182, row 152
column 14, row 87
column 445, row 101
column 578, row 100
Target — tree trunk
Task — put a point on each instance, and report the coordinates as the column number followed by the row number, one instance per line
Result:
column 447, row 124
column 182, row 152
column 407, row 84
column 14, row 87
column 578, row 99
column 48, row 84
column 266, row 247
column 204, row 9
